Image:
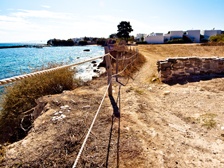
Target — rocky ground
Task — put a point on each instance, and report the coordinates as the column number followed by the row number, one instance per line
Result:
column 159, row 125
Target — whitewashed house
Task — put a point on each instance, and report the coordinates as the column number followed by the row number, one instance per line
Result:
column 155, row 38
column 209, row 33
column 140, row 36
column 156, row 34
column 166, row 37
column 176, row 34
column 194, row 35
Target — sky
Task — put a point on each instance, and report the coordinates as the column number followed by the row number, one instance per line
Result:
column 41, row 20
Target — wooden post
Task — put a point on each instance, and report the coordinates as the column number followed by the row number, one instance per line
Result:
column 117, row 66
column 109, row 74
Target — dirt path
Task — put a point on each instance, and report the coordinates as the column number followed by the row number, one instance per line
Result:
column 180, row 125
column 160, row 125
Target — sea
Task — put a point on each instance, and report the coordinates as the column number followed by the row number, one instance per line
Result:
column 18, row 61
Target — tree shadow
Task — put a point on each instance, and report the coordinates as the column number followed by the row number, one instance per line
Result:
column 116, row 115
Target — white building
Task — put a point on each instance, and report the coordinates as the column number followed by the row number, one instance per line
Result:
column 209, row 33
column 176, row 34
column 166, row 37
column 156, row 34
column 140, row 36
column 194, row 35
column 155, row 39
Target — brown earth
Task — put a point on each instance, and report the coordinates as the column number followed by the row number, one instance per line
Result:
column 159, row 125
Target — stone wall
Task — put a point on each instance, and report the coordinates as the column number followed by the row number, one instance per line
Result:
column 188, row 69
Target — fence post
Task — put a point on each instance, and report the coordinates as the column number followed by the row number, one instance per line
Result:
column 109, row 73
column 117, row 56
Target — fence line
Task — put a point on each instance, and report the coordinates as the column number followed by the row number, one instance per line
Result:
column 123, row 58
column 109, row 86
column 20, row 77
column 124, row 68
column 108, row 89
column 91, row 126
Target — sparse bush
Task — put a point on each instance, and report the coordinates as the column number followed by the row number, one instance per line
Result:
column 176, row 41
column 2, row 153
column 218, row 38
column 154, row 78
column 83, row 43
column 130, row 65
column 21, row 96
column 141, row 42
column 207, row 120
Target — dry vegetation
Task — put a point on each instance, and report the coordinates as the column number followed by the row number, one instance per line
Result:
column 159, row 125
column 21, row 96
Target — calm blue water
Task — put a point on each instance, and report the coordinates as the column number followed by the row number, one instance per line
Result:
column 17, row 61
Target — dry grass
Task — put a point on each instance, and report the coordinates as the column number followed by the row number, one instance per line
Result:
column 164, row 51
column 160, row 52
column 2, row 153
column 129, row 61
column 207, row 120
column 21, row 96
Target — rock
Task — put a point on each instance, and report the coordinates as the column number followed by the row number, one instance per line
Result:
column 63, row 116
column 86, row 50
column 93, row 62
column 167, row 92
column 86, row 107
column 154, row 79
column 64, row 107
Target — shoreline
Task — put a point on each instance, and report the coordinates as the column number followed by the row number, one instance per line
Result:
column 41, row 46
column 24, row 46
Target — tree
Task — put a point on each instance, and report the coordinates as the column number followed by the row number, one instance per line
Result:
column 114, row 35
column 124, row 28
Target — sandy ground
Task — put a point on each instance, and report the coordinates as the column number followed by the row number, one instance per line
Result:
column 159, row 125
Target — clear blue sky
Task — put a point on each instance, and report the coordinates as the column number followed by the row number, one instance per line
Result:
column 28, row 20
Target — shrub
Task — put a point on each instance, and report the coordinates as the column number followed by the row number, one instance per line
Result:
column 217, row 38
column 130, row 65
column 186, row 39
column 141, row 42
column 101, row 42
column 208, row 120
column 176, row 41
column 21, row 97
column 83, row 43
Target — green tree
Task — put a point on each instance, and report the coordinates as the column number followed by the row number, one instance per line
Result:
column 114, row 35
column 124, row 28
column 217, row 38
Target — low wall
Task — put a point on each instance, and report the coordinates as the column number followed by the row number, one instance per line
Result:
column 188, row 69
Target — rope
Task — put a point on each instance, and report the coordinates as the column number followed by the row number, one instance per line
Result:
column 123, row 69
column 123, row 58
column 89, row 131
column 16, row 78
column 87, row 135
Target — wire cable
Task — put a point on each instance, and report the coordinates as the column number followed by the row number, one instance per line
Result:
column 88, row 133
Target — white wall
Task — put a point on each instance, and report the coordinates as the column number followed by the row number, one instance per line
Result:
column 154, row 39
column 139, row 36
column 194, row 35
column 176, row 34
column 208, row 33
column 166, row 37
column 156, row 34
